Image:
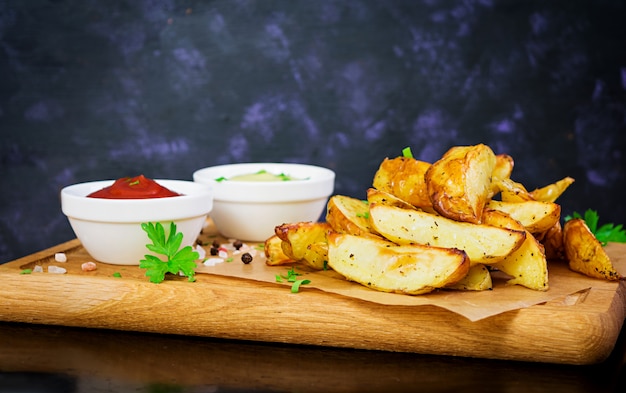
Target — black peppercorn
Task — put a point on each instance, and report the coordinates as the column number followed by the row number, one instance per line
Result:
column 237, row 244
column 214, row 251
column 246, row 258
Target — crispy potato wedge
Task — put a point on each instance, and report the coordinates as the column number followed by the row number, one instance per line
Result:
column 477, row 279
column 528, row 265
column 512, row 191
column 482, row 243
column 304, row 242
column 552, row 192
column 585, row 253
column 535, row 216
column 503, row 167
column 459, row 184
column 403, row 177
column 382, row 265
column 385, row 198
column 349, row 215
column 552, row 241
column 317, row 255
column 274, row 254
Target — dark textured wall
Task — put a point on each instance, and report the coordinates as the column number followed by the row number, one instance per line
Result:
column 95, row 90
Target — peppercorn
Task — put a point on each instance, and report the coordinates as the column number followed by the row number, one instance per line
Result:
column 215, row 244
column 237, row 244
column 214, row 251
column 246, row 258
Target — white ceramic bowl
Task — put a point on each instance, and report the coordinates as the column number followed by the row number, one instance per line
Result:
column 110, row 229
column 250, row 210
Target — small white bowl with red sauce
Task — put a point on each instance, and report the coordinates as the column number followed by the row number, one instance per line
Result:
column 110, row 229
column 248, row 208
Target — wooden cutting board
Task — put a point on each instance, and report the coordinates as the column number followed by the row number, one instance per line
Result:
column 581, row 328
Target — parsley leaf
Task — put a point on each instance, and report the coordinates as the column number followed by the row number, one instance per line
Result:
column 177, row 260
column 605, row 233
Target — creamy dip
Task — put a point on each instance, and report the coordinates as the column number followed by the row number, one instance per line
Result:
column 261, row 175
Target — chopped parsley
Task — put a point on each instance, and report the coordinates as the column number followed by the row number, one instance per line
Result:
column 406, row 152
column 292, row 277
column 605, row 233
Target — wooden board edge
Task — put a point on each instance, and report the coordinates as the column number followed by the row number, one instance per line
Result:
column 236, row 309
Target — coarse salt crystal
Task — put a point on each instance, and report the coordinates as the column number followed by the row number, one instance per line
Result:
column 60, row 257
column 38, row 269
column 201, row 252
column 56, row 270
column 222, row 254
column 212, row 261
column 89, row 266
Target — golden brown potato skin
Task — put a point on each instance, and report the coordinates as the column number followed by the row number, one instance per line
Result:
column 274, row 254
column 535, row 216
column 350, row 215
column 552, row 192
column 585, row 253
column 305, row 242
column 552, row 241
column 403, row 177
column 459, row 184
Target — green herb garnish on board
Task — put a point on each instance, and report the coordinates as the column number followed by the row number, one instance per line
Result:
column 605, row 233
column 295, row 287
column 292, row 277
column 177, row 260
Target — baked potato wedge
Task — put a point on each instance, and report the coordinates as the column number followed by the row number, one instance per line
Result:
column 459, row 184
column 585, row 253
column 274, row 254
column 304, row 242
column 552, row 192
column 382, row 265
column 404, row 178
column 482, row 243
column 527, row 265
column 503, row 167
column 552, row 241
column 512, row 191
column 385, row 198
column 477, row 279
column 535, row 216
column 350, row 215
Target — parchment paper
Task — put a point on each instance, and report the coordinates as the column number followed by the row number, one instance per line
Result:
column 473, row 305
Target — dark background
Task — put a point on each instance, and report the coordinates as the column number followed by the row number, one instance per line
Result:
column 93, row 90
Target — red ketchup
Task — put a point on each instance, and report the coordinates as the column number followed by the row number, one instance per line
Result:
column 139, row 187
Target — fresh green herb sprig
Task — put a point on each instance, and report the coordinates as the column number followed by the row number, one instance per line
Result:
column 605, row 233
column 177, row 259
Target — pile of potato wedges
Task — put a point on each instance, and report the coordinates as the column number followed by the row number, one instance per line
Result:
column 450, row 224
